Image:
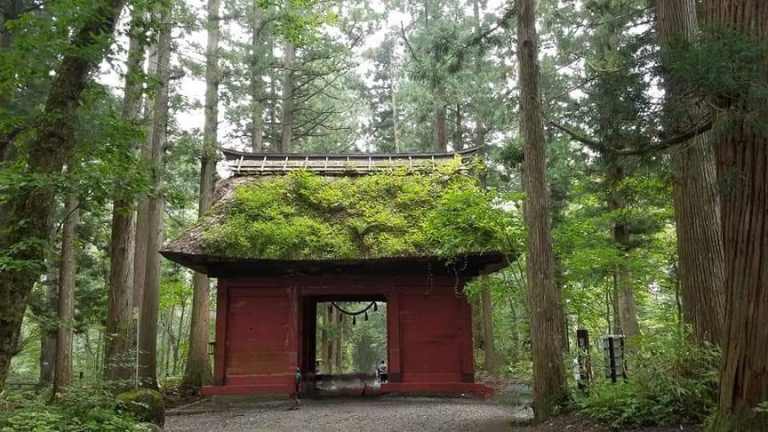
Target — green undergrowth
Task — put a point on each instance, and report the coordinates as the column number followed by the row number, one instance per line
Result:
column 671, row 381
column 305, row 216
column 80, row 409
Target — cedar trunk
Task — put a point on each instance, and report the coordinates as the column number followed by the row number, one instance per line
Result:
column 741, row 147
column 626, row 316
column 441, row 133
column 257, row 83
column 198, row 371
column 156, row 205
column 488, row 343
column 695, row 194
column 62, row 376
column 47, row 329
column 28, row 214
column 119, row 332
column 288, row 116
column 544, row 298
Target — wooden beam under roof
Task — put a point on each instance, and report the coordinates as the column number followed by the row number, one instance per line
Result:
column 255, row 164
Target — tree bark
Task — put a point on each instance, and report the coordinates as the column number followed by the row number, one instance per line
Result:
column 47, row 329
column 625, row 293
column 9, row 10
column 66, row 302
column 331, row 341
column 441, row 134
column 257, row 84
column 288, row 116
column 156, row 205
column 695, row 191
column 119, row 331
column 544, row 298
column 28, row 214
column 178, row 337
column 458, row 133
column 198, row 372
column 395, row 121
column 741, row 147
column 488, row 342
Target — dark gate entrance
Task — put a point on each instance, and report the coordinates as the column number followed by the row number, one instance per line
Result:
column 348, row 312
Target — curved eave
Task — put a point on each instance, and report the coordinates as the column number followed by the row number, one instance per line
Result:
column 467, row 265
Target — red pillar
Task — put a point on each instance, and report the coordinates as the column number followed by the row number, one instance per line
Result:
column 465, row 344
column 393, row 336
column 220, row 349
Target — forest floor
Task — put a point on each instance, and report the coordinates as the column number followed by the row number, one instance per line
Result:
column 379, row 414
column 372, row 414
column 572, row 423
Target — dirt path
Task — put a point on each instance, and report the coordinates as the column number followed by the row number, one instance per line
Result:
column 337, row 415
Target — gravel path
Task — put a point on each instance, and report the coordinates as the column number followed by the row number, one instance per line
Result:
column 382, row 414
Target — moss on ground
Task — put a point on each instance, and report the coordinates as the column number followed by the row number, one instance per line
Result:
column 145, row 405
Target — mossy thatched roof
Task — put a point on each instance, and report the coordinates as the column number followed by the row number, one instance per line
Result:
column 302, row 216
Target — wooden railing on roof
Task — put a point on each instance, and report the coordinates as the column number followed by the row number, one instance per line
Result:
column 254, row 164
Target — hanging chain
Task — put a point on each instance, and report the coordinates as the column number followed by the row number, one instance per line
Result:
column 360, row 312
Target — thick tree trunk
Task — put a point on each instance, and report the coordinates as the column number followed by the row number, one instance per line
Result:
column 9, row 10
column 27, row 215
column 257, row 83
column 62, row 376
column 339, row 349
column 544, row 298
column 395, row 121
column 625, row 294
column 198, row 372
column 441, row 133
column 458, row 133
column 741, row 146
column 330, row 365
column 699, row 239
column 287, row 119
column 322, row 347
column 488, row 342
column 271, row 130
column 47, row 329
column 177, row 345
column 615, row 307
column 695, row 190
column 119, row 331
column 151, row 296
column 514, row 333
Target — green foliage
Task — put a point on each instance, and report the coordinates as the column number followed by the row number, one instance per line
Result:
column 671, row 381
column 396, row 214
column 735, row 79
column 81, row 409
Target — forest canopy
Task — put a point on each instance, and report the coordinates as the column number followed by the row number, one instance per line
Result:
column 398, row 213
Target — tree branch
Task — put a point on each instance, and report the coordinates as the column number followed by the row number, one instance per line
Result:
column 643, row 146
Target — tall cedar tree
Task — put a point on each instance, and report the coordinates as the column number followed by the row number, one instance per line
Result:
column 62, row 376
column 741, row 147
column 289, row 115
column 119, row 329
column 26, row 217
column 47, row 329
column 257, row 65
column 544, row 298
column 156, row 204
column 197, row 372
column 695, row 191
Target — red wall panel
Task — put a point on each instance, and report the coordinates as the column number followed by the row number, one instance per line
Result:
column 429, row 326
column 261, row 346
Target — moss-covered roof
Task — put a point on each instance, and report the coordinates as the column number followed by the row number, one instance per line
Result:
column 302, row 216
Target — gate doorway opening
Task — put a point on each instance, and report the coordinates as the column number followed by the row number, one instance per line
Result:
column 350, row 346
